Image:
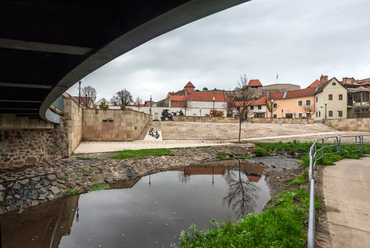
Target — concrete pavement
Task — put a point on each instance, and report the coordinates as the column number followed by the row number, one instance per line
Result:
column 346, row 189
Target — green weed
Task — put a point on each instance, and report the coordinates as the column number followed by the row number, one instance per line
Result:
column 259, row 151
column 98, row 187
column 82, row 158
column 140, row 154
column 299, row 180
column 20, row 211
column 74, row 192
column 224, row 155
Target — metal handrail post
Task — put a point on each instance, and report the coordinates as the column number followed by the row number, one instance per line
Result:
column 311, row 217
column 310, row 170
column 323, row 148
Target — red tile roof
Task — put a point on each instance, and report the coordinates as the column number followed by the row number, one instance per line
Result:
column 254, row 82
column 299, row 93
column 314, row 84
column 276, row 95
column 189, row 85
column 83, row 99
column 206, row 96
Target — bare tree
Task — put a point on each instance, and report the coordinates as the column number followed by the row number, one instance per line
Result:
column 89, row 92
column 122, row 98
column 311, row 109
column 243, row 96
column 138, row 100
column 269, row 104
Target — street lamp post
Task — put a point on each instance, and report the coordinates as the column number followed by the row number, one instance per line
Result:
column 150, row 105
column 79, row 93
column 326, row 104
column 200, row 111
column 272, row 105
column 213, row 107
column 282, row 113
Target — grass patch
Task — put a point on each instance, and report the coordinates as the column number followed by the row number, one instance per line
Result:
column 98, row 187
column 299, row 180
column 144, row 153
column 281, row 225
column 295, row 146
column 82, row 158
column 259, row 151
column 74, row 192
column 224, row 155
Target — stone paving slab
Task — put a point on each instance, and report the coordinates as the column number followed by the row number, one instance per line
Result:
column 346, row 189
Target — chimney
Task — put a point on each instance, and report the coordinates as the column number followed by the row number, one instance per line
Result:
column 323, row 79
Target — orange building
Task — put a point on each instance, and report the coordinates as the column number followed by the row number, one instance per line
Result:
column 294, row 103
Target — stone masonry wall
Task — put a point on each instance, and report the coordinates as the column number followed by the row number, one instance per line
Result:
column 282, row 121
column 73, row 118
column 205, row 119
column 112, row 125
column 19, row 147
column 353, row 124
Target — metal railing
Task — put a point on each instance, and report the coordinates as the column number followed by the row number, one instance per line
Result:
column 317, row 151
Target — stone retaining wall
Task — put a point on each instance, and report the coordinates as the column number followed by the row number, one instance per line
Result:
column 205, row 119
column 353, row 124
column 19, row 147
column 73, row 118
column 282, row 121
column 112, row 125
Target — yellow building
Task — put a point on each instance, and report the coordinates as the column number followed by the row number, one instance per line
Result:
column 294, row 103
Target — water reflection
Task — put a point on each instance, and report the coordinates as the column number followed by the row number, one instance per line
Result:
column 242, row 193
column 145, row 212
column 41, row 226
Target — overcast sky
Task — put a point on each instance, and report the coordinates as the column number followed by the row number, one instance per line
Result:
column 297, row 39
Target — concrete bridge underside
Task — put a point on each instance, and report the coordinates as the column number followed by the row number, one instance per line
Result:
column 48, row 46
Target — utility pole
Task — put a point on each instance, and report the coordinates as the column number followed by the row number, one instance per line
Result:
column 79, row 93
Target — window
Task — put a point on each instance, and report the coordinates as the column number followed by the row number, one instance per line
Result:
column 317, row 114
column 330, row 113
column 275, row 115
column 308, row 102
column 275, row 105
column 317, row 99
column 300, row 115
column 333, row 84
column 259, row 107
column 340, row 113
column 300, row 103
column 340, row 97
column 308, row 115
column 330, row 97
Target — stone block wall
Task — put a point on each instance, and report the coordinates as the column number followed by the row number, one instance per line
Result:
column 19, row 147
column 73, row 118
column 353, row 124
column 205, row 119
column 282, row 121
column 112, row 125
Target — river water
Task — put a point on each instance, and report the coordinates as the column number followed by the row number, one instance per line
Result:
column 145, row 212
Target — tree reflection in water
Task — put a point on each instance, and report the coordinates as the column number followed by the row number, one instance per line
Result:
column 184, row 176
column 242, row 194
